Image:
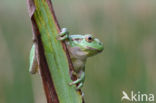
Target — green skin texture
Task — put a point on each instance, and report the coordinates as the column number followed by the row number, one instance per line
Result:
column 80, row 47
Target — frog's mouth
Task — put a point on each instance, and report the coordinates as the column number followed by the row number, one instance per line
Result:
column 94, row 49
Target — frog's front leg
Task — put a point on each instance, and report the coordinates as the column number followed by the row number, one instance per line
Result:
column 63, row 35
column 33, row 68
column 79, row 81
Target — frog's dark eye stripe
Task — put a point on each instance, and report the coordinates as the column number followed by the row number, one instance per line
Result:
column 77, row 39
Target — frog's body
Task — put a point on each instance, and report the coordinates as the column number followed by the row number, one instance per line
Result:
column 80, row 51
column 80, row 47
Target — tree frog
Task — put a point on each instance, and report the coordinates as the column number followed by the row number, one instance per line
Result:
column 80, row 47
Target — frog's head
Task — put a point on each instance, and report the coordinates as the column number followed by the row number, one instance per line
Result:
column 90, row 45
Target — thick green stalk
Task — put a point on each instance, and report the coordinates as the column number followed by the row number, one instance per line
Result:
column 51, row 57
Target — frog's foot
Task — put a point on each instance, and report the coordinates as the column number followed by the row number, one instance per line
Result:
column 79, row 81
column 33, row 68
column 63, row 34
column 79, row 86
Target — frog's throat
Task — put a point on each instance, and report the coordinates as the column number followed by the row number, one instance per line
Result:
column 98, row 50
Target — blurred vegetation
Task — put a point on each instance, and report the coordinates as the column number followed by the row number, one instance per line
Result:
column 127, row 28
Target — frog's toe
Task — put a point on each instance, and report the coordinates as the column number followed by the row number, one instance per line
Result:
column 64, row 31
column 79, row 86
column 76, row 82
column 71, row 83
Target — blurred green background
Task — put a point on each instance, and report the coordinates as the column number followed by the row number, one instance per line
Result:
column 126, row 27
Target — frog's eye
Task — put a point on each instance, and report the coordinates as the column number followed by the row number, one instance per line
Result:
column 89, row 38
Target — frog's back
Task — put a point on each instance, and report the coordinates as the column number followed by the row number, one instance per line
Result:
column 76, row 36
